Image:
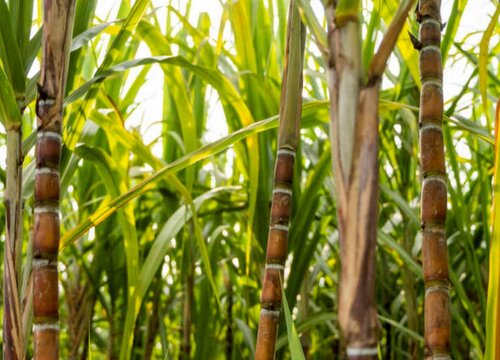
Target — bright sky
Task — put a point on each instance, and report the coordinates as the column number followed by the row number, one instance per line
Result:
column 475, row 20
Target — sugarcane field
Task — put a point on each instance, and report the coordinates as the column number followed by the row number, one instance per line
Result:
column 250, row 179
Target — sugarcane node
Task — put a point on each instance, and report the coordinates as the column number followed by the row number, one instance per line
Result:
column 429, row 8
column 44, row 104
column 436, row 354
column 280, row 222
column 441, row 174
column 342, row 20
column 271, row 305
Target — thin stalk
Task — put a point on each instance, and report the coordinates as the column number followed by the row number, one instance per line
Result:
column 493, row 309
column 354, row 136
column 57, row 31
column 437, row 318
column 277, row 243
column 13, row 335
column 229, row 315
column 187, row 306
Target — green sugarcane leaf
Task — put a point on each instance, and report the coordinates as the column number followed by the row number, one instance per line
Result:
column 296, row 352
column 402, row 328
column 312, row 321
column 22, row 13
column 74, row 129
column 84, row 38
column 452, row 25
column 483, row 60
column 401, row 203
column 157, row 254
column 202, row 153
column 10, row 53
column 313, row 24
column 9, row 111
column 32, row 49
column 107, row 209
column 395, row 248
column 493, row 304
column 248, row 336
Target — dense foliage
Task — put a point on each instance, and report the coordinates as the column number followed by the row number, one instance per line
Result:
column 169, row 147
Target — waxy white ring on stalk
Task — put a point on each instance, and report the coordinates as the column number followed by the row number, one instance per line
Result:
column 441, row 357
column 275, row 267
column 430, row 126
column 274, row 313
column 46, row 102
column 437, row 288
column 282, row 191
column 437, row 83
column 432, row 21
column 441, row 179
column 46, row 209
column 49, row 134
column 280, row 227
column 431, row 47
column 42, row 327
column 352, row 351
column 434, row 230
column 38, row 263
column 286, row 152
column 46, row 170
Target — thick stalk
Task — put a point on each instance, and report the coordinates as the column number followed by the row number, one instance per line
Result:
column 277, row 242
column 355, row 165
column 437, row 321
column 12, row 324
column 356, row 177
column 57, row 31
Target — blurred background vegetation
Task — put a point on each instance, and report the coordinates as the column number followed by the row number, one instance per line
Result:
column 171, row 115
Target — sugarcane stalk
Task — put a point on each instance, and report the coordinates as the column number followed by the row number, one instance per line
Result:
column 57, row 31
column 14, row 343
column 437, row 318
column 354, row 137
column 277, row 242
